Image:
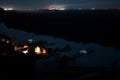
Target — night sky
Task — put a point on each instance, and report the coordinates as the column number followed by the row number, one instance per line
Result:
column 22, row 4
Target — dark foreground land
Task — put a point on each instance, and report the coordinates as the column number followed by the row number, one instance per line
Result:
column 98, row 26
column 24, row 70
column 17, row 67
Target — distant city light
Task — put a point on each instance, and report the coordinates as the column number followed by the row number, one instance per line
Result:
column 51, row 8
column 8, row 9
column 61, row 9
column 56, row 7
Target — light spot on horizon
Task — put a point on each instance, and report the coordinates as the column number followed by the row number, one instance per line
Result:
column 56, row 7
column 8, row 9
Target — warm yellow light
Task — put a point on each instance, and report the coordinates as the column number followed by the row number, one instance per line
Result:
column 44, row 52
column 40, row 51
column 56, row 7
column 25, row 46
column 37, row 50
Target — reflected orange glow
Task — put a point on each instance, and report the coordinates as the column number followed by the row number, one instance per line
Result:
column 6, row 9
column 44, row 51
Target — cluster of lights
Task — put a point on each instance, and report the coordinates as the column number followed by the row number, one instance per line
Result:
column 8, row 9
column 56, row 7
column 25, row 50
